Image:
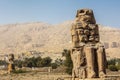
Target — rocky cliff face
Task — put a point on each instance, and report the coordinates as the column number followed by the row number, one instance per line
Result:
column 18, row 38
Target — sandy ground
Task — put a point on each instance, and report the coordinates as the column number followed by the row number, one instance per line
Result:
column 33, row 76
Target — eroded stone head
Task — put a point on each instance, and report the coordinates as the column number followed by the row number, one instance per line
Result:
column 11, row 57
column 86, row 16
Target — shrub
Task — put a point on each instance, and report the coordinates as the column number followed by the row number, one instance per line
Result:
column 30, row 62
column 45, row 62
column 111, row 62
column 54, row 65
column 19, row 71
column 2, row 62
column 113, row 68
column 59, row 62
column 118, row 67
column 18, row 63
column 114, row 64
column 34, row 62
column 68, row 62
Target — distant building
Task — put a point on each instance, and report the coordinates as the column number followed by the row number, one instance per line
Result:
column 114, row 45
column 106, row 45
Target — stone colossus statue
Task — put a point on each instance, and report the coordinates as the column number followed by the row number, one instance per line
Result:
column 88, row 54
column 11, row 66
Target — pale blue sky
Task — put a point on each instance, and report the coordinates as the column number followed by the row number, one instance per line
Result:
column 107, row 12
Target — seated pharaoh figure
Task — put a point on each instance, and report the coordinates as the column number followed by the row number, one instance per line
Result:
column 88, row 54
column 11, row 66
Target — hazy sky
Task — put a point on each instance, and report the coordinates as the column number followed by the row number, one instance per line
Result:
column 107, row 12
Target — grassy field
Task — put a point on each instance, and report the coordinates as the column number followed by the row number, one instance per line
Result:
column 36, row 75
column 33, row 75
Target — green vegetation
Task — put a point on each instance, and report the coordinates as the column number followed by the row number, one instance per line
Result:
column 113, row 68
column 54, row 65
column 59, row 62
column 114, row 64
column 19, row 63
column 34, row 62
column 2, row 62
column 68, row 62
column 19, row 71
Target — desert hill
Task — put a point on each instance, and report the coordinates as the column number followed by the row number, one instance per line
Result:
column 43, row 37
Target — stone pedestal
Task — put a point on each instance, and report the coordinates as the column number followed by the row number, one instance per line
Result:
column 111, row 77
column 94, row 79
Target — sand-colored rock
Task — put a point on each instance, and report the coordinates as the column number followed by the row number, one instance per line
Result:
column 24, row 37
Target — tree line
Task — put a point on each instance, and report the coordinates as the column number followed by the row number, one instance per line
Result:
column 113, row 64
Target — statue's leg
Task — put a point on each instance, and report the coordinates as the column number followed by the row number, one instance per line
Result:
column 89, row 52
column 73, row 74
column 101, row 61
column 73, row 57
column 9, row 68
